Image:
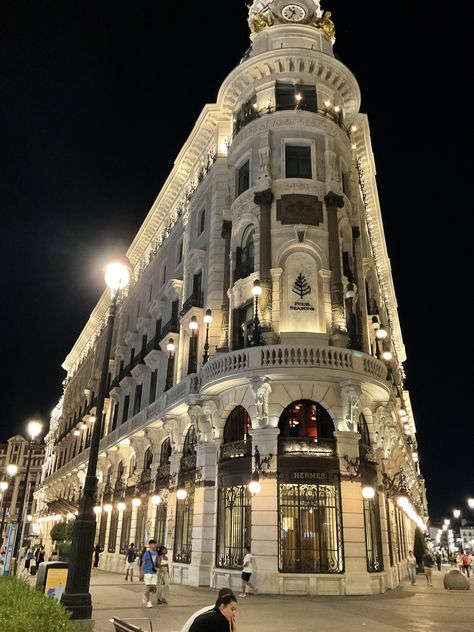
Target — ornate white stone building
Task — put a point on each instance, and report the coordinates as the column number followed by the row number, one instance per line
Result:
column 300, row 387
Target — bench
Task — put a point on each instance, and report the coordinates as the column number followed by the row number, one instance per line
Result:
column 123, row 626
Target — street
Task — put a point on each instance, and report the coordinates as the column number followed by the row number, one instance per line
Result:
column 409, row 608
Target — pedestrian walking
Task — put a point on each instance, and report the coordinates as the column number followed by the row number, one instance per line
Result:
column 247, row 570
column 39, row 555
column 130, row 557
column 222, row 618
column 466, row 564
column 163, row 575
column 438, row 560
column 411, row 559
column 222, row 592
column 140, row 564
column 428, row 564
column 150, row 572
column 97, row 552
column 28, row 557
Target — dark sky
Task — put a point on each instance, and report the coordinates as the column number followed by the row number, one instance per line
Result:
column 96, row 101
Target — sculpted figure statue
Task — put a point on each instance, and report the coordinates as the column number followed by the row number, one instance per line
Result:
column 326, row 25
column 260, row 21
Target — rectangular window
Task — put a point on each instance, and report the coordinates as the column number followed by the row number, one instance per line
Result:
column 243, row 178
column 115, row 416
column 132, row 357
column 308, row 100
column 153, row 383
column 197, row 285
column 184, row 529
column 202, row 222
column 180, row 256
column 175, row 311
column 160, row 523
column 234, row 520
column 285, row 96
column 157, row 333
column 121, row 369
column 373, row 537
column 114, row 517
column 126, row 405
column 310, row 538
column 137, row 402
column 144, row 343
column 163, row 276
column 298, row 161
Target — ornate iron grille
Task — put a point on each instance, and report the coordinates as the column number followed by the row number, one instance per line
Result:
column 184, row 529
column 236, row 449
column 141, row 526
column 234, row 526
column 310, row 539
column 373, row 537
column 125, row 533
column 113, row 531
column 102, row 529
column 160, row 524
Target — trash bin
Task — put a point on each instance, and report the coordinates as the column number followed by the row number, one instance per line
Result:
column 51, row 578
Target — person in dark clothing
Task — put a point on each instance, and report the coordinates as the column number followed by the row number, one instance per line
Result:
column 39, row 555
column 438, row 561
column 97, row 552
column 221, row 618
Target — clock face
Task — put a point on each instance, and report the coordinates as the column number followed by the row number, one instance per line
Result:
column 293, row 13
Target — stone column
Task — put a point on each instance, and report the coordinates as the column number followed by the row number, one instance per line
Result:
column 339, row 336
column 204, row 516
column 264, row 200
column 357, row 579
column 226, row 235
column 264, row 543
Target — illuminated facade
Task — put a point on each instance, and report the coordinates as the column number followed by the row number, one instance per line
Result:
column 15, row 452
column 293, row 380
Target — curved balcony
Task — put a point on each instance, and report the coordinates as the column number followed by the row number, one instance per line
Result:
column 316, row 362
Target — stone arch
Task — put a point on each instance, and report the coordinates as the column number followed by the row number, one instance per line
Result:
column 283, row 394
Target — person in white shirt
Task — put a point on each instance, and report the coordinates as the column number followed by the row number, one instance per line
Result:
column 247, row 569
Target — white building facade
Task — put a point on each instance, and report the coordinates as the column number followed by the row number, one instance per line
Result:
column 297, row 385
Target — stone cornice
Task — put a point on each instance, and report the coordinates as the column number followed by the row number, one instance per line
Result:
column 376, row 231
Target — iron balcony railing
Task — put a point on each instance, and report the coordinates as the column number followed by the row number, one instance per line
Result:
column 195, row 300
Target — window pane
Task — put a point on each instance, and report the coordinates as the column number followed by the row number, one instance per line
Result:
column 310, row 529
column 298, row 161
column 234, row 519
column 308, row 98
column 243, row 178
column 285, row 96
column 373, row 541
column 184, row 529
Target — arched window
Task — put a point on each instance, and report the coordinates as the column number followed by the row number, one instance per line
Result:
column 190, row 442
column 306, row 419
column 148, row 459
column 165, row 452
column 238, row 425
column 364, row 431
column 245, row 254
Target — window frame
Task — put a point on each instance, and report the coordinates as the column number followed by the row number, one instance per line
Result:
column 299, row 142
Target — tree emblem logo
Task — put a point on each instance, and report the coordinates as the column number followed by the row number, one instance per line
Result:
column 301, row 286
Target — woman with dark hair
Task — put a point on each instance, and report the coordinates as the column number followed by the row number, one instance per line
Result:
column 221, row 618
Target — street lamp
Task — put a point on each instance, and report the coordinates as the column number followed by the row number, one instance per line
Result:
column 457, row 513
column 192, row 362
column 207, row 321
column 470, row 502
column 76, row 597
column 257, row 334
column 171, row 348
column 34, row 429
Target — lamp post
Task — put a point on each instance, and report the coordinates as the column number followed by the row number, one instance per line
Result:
column 76, row 597
column 207, row 321
column 257, row 333
column 11, row 472
column 171, row 348
column 33, row 429
column 192, row 362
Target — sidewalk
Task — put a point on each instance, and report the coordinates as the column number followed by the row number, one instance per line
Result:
column 408, row 608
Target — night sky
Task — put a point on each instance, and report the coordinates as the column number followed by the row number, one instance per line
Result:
column 96, row 101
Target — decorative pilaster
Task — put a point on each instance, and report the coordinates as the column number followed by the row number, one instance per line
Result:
column 339, row 336
column 264, row 200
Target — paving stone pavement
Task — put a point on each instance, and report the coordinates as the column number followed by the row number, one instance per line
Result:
column 408, row 608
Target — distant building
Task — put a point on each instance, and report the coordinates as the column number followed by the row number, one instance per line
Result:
column 15, row 452
column 270, row 218
column 467, row 535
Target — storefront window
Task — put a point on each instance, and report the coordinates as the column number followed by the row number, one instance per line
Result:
column 160, row 524
column 125, row 533
column 113, row 530
column 184, row 529
column 234, row 519
column 141, row 526
column 310, row 529
column 373, row 540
